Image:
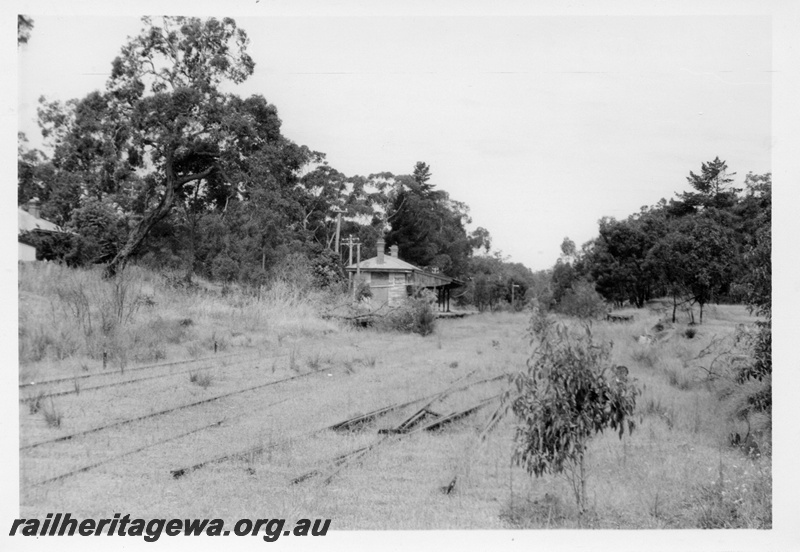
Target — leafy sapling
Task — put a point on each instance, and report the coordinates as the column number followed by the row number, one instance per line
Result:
column 568, row 392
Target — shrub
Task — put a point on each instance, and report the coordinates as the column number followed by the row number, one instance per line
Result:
column 363, row 291
column 326, row 268
column 224, row 269
column 102, row 229
column 568, row 393
column 415, row 315
column 424, row 318
column 582, row 301
column 71, row 249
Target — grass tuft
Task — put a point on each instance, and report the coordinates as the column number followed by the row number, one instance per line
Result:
column 314, row 361
column 294, row 366
column 203, row 380
column 678, row 379
column 35, row 402
column 52, row 415
column 645, row 356
column 545, row 512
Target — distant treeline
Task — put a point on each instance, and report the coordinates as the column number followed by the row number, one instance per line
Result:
column 710, row 244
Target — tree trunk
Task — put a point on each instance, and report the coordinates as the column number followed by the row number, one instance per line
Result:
column 674, row 307
column 141, row 231
column 583, row 485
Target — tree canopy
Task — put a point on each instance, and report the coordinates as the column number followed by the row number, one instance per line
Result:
column 166, row 166
column 693, row 248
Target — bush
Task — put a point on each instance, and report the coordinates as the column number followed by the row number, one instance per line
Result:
column 327, row 268
column 224, row 268
column 416, row 315
column 582, row 301
column 363, row 291
column 71, row 249
column 568, row 393
column 424, row 318
column 101, row 227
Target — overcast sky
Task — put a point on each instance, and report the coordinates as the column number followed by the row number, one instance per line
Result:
column 542, row 125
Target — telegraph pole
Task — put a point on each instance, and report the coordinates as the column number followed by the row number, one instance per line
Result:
column 338, row 227
column 358, row 268
column 513, row 285
column 350, row 242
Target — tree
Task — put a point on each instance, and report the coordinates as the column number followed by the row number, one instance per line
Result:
column 480, row 238
column 757, row 281
column 24, row 28
column 30, row 168
column 491, row 280
column 428, row 226
column 618, row 259
column 697, row 257
column 562, row 278
column 568, row 250
column 568, row 393
column 421, row 175
column 164, row 97
column 712, row 187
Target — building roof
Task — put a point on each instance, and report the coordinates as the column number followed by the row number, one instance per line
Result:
column 28, row 222
column 393, row 264
column 390, row 263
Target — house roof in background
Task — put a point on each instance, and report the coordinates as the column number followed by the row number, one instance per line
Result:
column 389, row 263
column 28, row 222
column 393, row 264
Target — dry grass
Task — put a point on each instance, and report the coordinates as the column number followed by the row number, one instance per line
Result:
column 73, row 320
column 676, row 470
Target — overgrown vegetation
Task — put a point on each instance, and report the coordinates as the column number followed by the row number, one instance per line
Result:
column 414, row 315
column 76, row 317
column 568, row 393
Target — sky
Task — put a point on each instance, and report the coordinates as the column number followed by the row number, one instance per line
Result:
column 541, row 124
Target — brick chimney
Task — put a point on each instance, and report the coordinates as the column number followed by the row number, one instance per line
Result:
column 33, row 207
column 381, row 246
column 393, row 251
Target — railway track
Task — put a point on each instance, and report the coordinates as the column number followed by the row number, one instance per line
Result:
column 76, row 390
column 210, row 423
column 350, row 423
column 33, row 384
column 164, row 412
